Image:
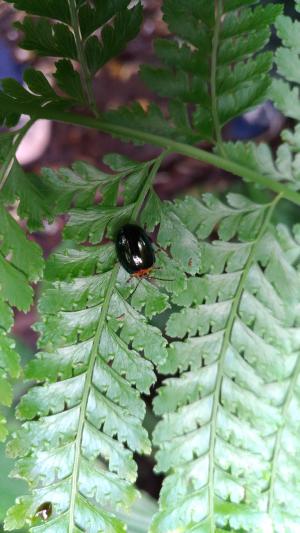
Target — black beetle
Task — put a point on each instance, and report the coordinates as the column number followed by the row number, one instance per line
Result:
column 135, row 251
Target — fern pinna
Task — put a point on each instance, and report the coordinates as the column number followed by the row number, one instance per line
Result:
column 96, row 359
column 21, row 261
column 228, row 439
column 66, row 29
column 209, row 74
column 70, row 38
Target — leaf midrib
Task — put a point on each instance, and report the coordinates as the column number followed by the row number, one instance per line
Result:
column 85, row 396
column 135, row 135
column 226, row 342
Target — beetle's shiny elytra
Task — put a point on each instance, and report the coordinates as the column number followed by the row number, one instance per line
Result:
column 134, row 250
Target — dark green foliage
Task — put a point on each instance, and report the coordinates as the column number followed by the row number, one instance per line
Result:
column 113, row 38
column 151, row 121
column 68, row 80
column 118, row 25
column 55, row 39
column 32, row 193
column 14, row 97
column 58, row 39
column 54, row 9
column 191, row 69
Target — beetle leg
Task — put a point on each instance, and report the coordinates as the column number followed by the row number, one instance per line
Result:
column 137, row 285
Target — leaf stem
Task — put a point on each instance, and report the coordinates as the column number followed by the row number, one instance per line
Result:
column 85, row 73
column 225, row 345
column 147, row 184
column 213, row 79
column 10, row 158
column 144, row 137
column 85, row 396
column 173, row 147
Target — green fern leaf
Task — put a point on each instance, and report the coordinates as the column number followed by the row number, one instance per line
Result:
column 79, row 185
column 55, row 9
column 55, row 40
column 20, row 263
column 13, row 97
column 97, row 351
column 283, row 168
column 68, row 80
column 209, row 70
column 285, row 92
column 227, row 440
column 32, row 193
column 72, row 38
column 151, row 120
column 95, row 16
column 113, row 38
column 94, row 408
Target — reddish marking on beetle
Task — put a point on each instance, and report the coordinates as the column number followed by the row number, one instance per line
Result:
column 143, row 273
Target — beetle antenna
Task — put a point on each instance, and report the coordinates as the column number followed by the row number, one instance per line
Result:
column 161, row 279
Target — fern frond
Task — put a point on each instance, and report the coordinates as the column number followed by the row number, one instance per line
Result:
column 283, row 167
column 151, row 120
column 209, row 74
column 21, row 259
column 13, row 97
column 32, row 193
column 97, row 350
column 227, row 438
column 94, row 409
column 69, row 37
column 21, row 263
column 285, row 91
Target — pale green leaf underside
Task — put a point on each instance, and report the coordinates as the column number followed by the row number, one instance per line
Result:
column 83, row 421
column 284, row 167
column 91, row 338
column 229, row 436
column 285, row 92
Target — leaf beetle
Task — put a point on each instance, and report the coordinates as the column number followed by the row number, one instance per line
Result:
column 135, row 251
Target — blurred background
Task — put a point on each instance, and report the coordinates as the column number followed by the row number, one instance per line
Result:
column 55, row 145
